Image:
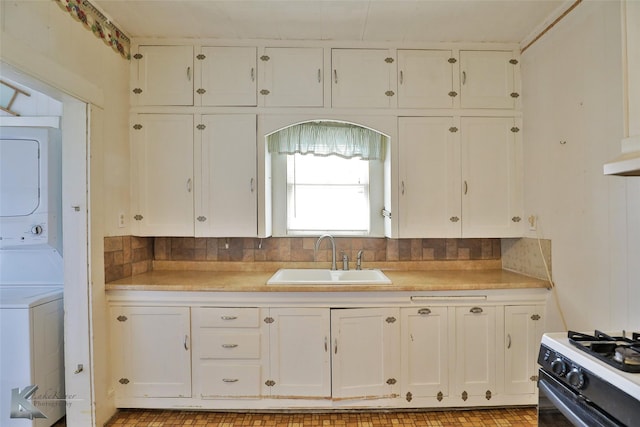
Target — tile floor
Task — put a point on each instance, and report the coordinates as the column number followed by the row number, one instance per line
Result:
column 512, row 417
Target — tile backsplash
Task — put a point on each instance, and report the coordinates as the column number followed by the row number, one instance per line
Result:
column 127, row 255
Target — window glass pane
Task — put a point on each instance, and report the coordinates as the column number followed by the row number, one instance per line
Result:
column 327, row 194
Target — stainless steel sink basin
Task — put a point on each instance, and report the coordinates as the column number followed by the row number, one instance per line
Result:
column 313, row 276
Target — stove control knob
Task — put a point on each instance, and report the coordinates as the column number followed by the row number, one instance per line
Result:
column 37, row 230
column 559, row 367
column 575, row 377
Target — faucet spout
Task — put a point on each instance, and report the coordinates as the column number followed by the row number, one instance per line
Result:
column 333, row 249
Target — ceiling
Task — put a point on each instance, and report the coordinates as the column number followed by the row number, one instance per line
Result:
column 501, row 21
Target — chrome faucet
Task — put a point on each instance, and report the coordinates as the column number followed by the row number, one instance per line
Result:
column 333, row 249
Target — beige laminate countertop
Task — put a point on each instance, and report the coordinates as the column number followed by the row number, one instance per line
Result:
column 236, row 281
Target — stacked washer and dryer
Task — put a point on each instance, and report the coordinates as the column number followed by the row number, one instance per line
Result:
column 31, row 273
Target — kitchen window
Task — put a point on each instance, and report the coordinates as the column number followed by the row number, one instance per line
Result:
column 328, row 177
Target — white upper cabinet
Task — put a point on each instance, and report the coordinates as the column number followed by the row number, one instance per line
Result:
column 226, row 168
column 162, row 75
column 425, row 79
column 228, row 76
column 491, row 157
column 292, row 77
column 363, row 78
column 487, row 79
column 429, row 165
column 162, row 174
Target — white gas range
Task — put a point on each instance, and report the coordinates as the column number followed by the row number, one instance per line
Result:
column 589, row 379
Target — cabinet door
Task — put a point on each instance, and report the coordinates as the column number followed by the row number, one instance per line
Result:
column 227, row 196
column 362, row 78
column 293, row 77
column 163, row 75
column 150, row 347
column 425, row 79
column 487, row 79
column 228, row 76
column 425, row 352
column 365, row 353
column 162, row 174
column 429, row 194
column 299, row 352
column 475, row 368
column 492, row 177
column 523, row 331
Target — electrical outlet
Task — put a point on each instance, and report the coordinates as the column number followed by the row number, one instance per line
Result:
column 121, row 220
column 533, row 222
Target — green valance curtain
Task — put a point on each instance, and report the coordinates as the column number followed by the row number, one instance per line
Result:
column 329, row 138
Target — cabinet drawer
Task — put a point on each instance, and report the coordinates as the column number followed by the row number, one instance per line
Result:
column 227, row 380
column 231, row 317
column 220, row 345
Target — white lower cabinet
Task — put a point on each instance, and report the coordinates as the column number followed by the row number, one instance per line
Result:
column 300, row 358
column 446, row 354
column 229, row 352
column 523, row 330
column 365, row 353
column 475, row 360
column 151, row 352
column 424, row 352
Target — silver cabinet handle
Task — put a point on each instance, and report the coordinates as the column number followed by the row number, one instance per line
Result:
column 253, row 74
column 424, row 311
column 335, row 346
column 464, row 77
column 401, row 77
column 229, row 345
column 508, row 340
column 251, row 184
column 189, row 73
column 229, row 380
column 466, row 187
column 186, row 342
column 189, row 185
column 476, row 310
column 335, row 76
column 325, row 344
column 402, row 188
column 228, row 317
column 319, row 75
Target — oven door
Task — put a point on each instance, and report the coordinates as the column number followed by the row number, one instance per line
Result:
column 558, row 406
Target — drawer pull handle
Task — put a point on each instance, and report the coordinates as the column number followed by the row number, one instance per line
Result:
column 228, row 317
column 476, row 310
column 229, row 380
column 186, row 342
column 229, row 345
column 424, row 311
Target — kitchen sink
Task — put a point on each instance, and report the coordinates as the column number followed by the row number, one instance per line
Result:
column 314, row 276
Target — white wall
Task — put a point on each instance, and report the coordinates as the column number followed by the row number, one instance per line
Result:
column 43, row 47
column 573, row 112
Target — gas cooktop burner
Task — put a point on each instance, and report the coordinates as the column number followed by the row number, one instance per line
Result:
column 620, row 352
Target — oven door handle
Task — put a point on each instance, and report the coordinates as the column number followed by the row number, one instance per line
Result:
column 573, row 410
